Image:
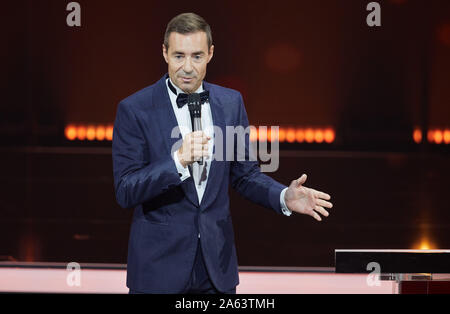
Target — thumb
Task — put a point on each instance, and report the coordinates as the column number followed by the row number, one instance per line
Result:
column 301, row 180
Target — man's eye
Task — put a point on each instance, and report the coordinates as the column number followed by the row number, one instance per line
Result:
column 178, row 57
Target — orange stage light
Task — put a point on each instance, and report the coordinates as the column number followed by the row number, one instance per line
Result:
column 262, row 134
column 253, row 134
column 309, row 135
column 109, row 133
column 447, row 136
column 299, row 135
column 417, row 136
column 329, row 135
column 281, row 135
column 274, row 136
column 81, row 133
column 100, row 133
column 90, row 133
column 290, row 135
column 318, row 136
column 70, row 132
column 425, row 244
column 438, row 136
column 269, row 134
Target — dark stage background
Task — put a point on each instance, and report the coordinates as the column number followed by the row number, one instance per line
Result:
column 297, row 63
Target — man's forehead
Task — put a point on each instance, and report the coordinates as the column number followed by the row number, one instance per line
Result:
column 196, row 41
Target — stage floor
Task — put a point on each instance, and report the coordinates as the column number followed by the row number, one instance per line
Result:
column 107, row 278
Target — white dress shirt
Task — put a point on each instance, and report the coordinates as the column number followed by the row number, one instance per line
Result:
column 200, row 172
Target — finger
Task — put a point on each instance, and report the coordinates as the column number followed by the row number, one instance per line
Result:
column 199, row 136
column 200, row 144
column 315, row 216
column 200, row 140
column 323, row 203
column 202, row 135
column 322, row 211
column 197, row 133
column 198, row 152
column 301, row 180
column 199, row 149
column 193, row 136
column 321, row 195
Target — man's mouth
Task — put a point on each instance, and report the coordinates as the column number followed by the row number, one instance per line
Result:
column 187, row 79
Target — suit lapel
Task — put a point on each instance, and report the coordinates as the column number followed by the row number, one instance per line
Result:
column 217, row 166
column 167, row 121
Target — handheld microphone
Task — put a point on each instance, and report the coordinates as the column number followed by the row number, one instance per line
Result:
column 195, row 109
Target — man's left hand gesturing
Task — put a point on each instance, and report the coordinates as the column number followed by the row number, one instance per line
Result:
column 303, row 200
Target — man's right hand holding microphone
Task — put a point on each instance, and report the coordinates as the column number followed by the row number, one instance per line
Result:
column 194, row 147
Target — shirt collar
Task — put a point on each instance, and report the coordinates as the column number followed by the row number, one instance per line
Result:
column 179, row 90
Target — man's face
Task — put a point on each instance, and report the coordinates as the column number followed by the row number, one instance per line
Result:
column 187, row 58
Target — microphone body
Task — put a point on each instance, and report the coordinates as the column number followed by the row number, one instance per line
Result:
column 195, row 109
column 198, row 127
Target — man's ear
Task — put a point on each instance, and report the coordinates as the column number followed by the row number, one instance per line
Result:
column 166, row 57
column 211, row 53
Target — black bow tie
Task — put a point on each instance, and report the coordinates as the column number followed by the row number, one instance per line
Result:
column 182, row 98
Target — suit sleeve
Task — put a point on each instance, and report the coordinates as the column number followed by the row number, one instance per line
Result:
column 136, row 178
column 247, row 178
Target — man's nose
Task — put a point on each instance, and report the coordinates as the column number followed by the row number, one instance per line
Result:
column 187, row 66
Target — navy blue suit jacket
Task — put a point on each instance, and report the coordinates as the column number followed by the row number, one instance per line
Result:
column 167, row 216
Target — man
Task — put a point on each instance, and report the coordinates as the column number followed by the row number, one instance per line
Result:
column 181, row 238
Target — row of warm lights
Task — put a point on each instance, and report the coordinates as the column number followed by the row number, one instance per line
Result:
column 294, row 135
column 89, row 132
column 290, row 134
column 435, row 136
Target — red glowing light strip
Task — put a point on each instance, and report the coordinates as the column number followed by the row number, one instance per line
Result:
column 434, row 136
column 295, row 135
column 90, row 132
column 100, row 132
